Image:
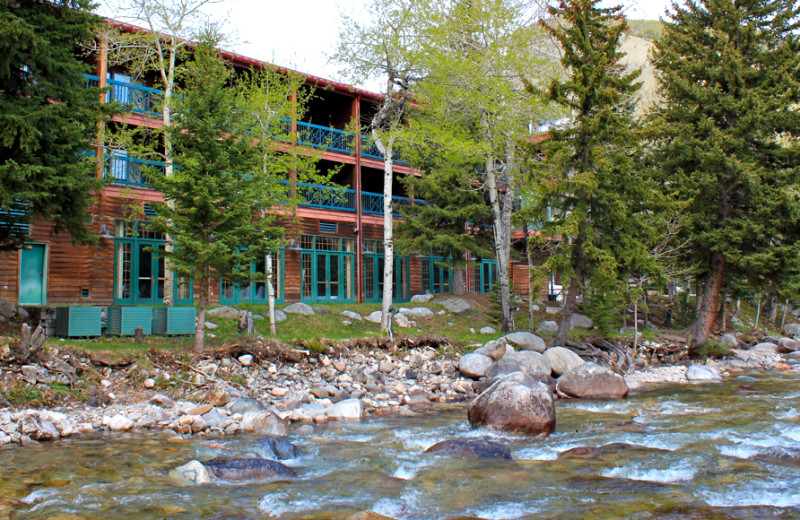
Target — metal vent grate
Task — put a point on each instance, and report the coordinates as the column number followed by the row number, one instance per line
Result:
column 328, row 227
column 149, row 211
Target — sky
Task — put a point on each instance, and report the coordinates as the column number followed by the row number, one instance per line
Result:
column 301, row 34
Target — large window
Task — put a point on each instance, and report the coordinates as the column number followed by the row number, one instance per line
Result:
column 436, row 275
column 255, row 292
column 374, row 255
column 139, row 268
column 485, row 276
column 327, row 269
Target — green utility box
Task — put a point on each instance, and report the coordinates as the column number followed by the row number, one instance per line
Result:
column 174, row 320
column 122, row 321
column 74, row 322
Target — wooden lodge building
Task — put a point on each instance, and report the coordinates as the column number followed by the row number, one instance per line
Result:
column 334, row 254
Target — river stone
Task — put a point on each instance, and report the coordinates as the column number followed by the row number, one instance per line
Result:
column 245, row 404
column 299, row 308
column 241, row 469
column 193, row 472
column 526, row 341
column 592, row 381
column 264, row 423
column 787, row 345
column 421, row 298
column 217, row 396
column 579, row 321
column 272, row 447
column 471, row 449
column 374, row 317
column 494, row 349
column 346, row 409
column 474, row 365
column 547, row 327
column 38, row 428
column 766, row 347
column 516, row 403
column 223, row 312
column 246, row 360
column 530, row 361
column 119, row 423
column 352, row 315
column 702, row 373
column 403, row 322
column 488, row 330
column 792, row 330
column 455, row 305
column 562, row 360
column 729, row 340
column 417, row 312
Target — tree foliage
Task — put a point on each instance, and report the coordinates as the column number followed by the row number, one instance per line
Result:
column 219, row 199
column 48, row 118
column 726, row 134
column 594, row 200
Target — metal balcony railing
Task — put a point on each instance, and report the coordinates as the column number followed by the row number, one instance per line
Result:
column 373, row 203
column 128, row 170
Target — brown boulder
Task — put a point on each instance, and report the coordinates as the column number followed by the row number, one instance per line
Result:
column 592, row 381
column 516, row 403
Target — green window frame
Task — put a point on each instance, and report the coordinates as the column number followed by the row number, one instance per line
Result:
column 436, row 275
column 327, row 269
column 139, row 272
column 255, row 292
column 484, row 276
column 374, row 256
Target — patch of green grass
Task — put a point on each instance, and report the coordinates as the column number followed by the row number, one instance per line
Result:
column 22, row 395
column 713, row 349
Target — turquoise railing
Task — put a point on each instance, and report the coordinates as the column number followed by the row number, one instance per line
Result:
column 136, row 98
column 373, row 203
column 318, row 196
column 128, row 170
column 325, row 137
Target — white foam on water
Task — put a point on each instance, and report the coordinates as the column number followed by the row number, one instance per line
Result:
column 537, row 453
column 791, row 413
column 358, row 438
column 662, row 476
column 407, row 470
column 396, row 507
column 680, row 408
column 745, row 496
column 39, row 494
column 277, row 504
column 792, row 433
column 740, row 451
column 613, row 407
column 504, row 512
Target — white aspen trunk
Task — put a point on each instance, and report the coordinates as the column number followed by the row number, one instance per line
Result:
column 166, row 112
column 200, row 326
column 388, row 237
column 271, row 297
column 530, row 278
column 502, row 241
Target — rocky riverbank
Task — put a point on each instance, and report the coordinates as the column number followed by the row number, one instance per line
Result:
column 263, row 394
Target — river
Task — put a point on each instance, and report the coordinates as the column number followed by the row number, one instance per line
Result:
column 714, row 451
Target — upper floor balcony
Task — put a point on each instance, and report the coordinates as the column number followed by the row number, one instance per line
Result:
column 144, row 100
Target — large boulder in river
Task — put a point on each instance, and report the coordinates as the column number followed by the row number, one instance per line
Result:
column 526, row 341
column 562, row 360
column 592, row 381
column 271, row 447
column 530, row 361
column 246, row 469
column 787, row 345
column 471, row 449
column 474, row 365
column 516, row 403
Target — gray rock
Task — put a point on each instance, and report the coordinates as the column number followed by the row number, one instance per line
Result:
column 562, row 360
column 552, row 310
column 374, row 317
column 346, row 409
column 526, row 341
column 161, row 400
column 488, row 330
column 272, row 447
column 729, row 340
column 547, row 327
column 495, row 349
column 223, row 312
column 245, row 469
column 579, row 321
column 455, row 305
column 120, row 423
column 766, row 347
column 263, row 423
column 529, row 361
column 320, row 392
column 787, row 345
column 516, row 403
column 245, row 404
column 299, row 308
column 592, row 381
column 246, row 360
column 37, row 427
column 193, row 472
column 421, row 298
column 702, row 373
column 352, row 315
column 280, row 316
column 792, row 330
column 417, row 312
column 33, row 374
column 471, row 449
column 403, row 322
column 211, row 326
column 321, row 310
column 213, row 418
column 474, row 365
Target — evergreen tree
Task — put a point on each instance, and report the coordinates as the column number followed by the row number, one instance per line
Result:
column 586, row 175
column 727, row 141
column 218, row 200
column 48, row 117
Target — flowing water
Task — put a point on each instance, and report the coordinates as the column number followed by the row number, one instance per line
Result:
column 708, row 452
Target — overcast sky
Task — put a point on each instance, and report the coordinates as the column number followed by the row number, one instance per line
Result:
column 300, row 34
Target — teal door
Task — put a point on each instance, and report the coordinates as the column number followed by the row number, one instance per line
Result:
column 32, row 275
column 327, row 277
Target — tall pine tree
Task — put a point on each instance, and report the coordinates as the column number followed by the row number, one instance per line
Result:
column 48, row 117
column 727, row 140
column 587, row 173
column 218, row 199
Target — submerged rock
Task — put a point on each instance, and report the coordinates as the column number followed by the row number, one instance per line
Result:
column 592, row 381
column 593, row 452
column 193, row 472
column 516, row 403
column 244, row 469
column 470, row 449
column 272, row 447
